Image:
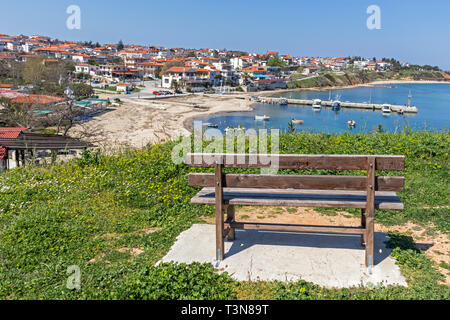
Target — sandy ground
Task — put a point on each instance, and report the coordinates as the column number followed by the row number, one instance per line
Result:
column 435, row 245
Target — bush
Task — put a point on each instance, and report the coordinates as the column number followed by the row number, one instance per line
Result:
column 171, row 281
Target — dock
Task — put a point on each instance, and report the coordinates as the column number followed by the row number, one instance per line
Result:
column 354, row 105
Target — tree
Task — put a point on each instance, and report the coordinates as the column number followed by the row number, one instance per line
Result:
column 17, row 114
column 81, row 90
column 120, row 46
column 276, row 62
column 34, row 71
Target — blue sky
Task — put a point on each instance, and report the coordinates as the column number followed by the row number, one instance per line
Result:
column 414, row 31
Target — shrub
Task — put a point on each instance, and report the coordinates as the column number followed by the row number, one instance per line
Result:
column 171, row 281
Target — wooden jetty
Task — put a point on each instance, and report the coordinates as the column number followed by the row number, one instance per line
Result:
column 355, row 105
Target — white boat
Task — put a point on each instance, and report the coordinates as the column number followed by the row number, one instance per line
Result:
column 336, row 105
column 386, row 108
column 283, row 102
column 317, row 105
column 262, row 118
column 297, row 121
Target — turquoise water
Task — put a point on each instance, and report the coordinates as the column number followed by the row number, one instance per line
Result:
column 432, row 100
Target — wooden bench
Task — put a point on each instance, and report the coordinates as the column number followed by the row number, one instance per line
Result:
column 368, row 193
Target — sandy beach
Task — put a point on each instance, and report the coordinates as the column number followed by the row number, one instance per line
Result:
column 139, row 122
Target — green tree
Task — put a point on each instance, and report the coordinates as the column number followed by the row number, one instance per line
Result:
column 34, row 71
column 275, row 62
column 120, row 45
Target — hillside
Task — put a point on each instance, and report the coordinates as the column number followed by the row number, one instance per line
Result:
column 349, row 79
column 115, row 216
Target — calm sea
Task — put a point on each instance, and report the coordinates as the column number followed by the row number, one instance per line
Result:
column 432, row 100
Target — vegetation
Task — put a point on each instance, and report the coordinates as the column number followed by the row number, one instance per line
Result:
column 329, row 79
column 276, row 62
column 95, row 212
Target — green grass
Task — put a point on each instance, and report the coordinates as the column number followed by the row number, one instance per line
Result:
column 66, row 214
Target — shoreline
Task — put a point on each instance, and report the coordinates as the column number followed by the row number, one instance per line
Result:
column 138, row 122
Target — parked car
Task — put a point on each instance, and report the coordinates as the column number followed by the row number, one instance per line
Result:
column 95, row 82
column 178, row 91
column 157, row 93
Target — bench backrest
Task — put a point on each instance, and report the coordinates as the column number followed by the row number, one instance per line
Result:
column 299, row 162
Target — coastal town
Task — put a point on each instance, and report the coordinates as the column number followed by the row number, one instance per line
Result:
column 188, row 69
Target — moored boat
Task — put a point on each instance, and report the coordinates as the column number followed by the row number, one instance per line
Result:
column 298, row 121
column 317, row 105
column 262, row 118
column 336, row 105
column 386, row 109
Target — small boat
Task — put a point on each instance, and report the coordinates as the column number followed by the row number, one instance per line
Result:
column 262, row 118
column 336, row 105
column 351, row 123
column 386, row 108
column 283, row 102
column 297, row 121
column 317, row 105
column 212, row 125
column 401, row 111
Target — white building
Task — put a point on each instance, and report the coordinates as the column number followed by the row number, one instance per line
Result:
column 87, row 69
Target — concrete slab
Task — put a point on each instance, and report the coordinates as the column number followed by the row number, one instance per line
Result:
column 329, row 260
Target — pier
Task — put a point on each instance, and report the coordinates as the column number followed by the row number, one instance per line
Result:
column 354, row 105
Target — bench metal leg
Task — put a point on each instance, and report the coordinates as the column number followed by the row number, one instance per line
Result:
column 363, row 225
column 231, row 217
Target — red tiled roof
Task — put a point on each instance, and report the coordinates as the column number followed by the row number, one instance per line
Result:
column 37, row 98
column 7, row 135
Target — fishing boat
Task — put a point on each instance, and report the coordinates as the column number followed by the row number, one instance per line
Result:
column 336, row 105
column 297, row 121
column 386, row 109
column 262, row 118
column 317, row 105
column 283, row 102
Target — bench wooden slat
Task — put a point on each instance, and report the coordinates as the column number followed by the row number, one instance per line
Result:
column 293, row 227
column 295, row 161
column 317, row 182
column 386, row 200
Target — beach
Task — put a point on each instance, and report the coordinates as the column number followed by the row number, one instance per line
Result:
column 139, row 122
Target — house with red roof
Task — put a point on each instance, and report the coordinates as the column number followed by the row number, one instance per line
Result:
column 7, row 137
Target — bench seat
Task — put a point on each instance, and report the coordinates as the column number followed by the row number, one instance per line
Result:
column 384, row 200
